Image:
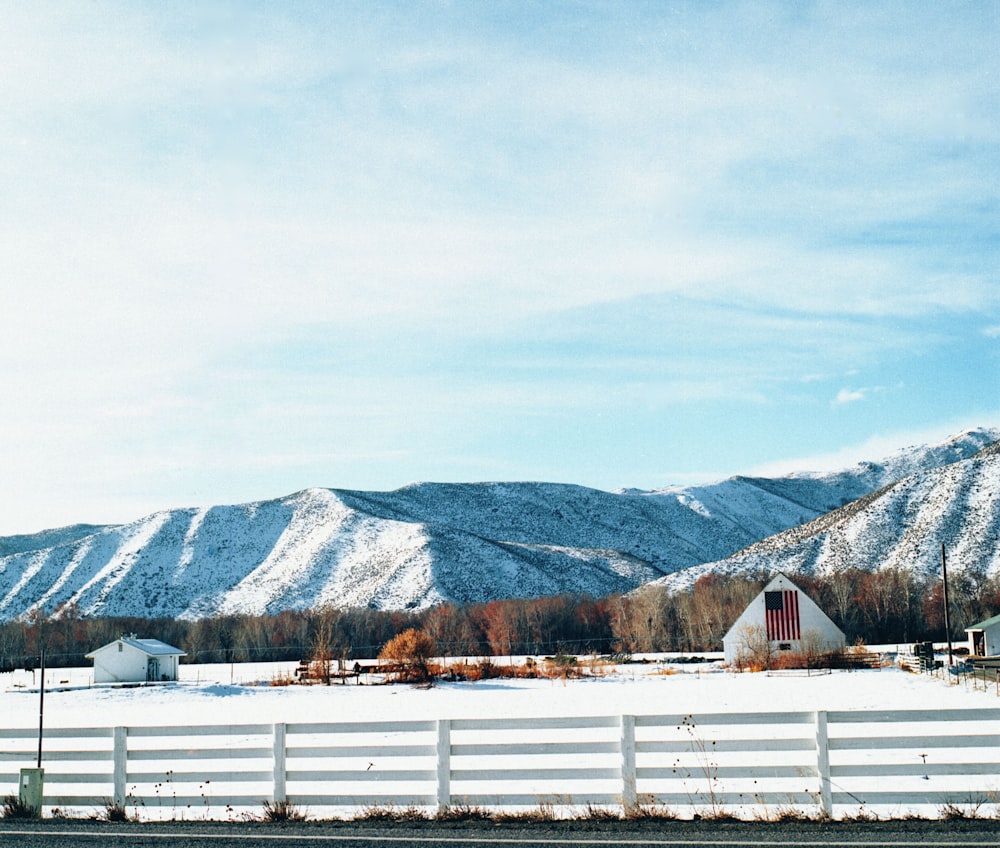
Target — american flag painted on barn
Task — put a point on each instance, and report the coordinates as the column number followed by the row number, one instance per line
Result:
column 782, row 612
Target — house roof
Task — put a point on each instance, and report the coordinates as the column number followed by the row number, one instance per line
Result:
column 151, row 647
column 983, row 625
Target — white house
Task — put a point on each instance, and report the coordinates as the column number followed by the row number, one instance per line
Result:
column 984, row 638
column 781, row 618
column 132, row 660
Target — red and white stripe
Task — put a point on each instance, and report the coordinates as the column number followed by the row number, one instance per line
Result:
column 783, row 624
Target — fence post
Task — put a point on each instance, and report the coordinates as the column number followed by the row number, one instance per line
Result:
column 279, row 791
column 120, row 759
column 627, row 748
column 823, row 765
column 443, row 764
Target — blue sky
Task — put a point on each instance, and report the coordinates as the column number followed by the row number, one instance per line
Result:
column 253, row 247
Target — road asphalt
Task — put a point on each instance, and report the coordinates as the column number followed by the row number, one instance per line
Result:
column 964, row 833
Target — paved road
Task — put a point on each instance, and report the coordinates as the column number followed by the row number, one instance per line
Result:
column 62, row 834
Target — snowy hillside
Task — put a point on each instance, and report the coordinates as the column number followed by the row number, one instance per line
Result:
column 424, row 543
column 45, row 539
column 902, row 525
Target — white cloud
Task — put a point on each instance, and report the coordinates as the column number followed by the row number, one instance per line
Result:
column 845, row 396
column 184, row 189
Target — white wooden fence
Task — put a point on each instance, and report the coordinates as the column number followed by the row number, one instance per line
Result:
column 750, row 764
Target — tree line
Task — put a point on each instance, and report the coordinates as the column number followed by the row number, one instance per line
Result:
column 890, row 606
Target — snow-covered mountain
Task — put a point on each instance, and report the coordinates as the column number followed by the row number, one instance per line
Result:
column 424, row 543
column 45, row 539
column 902, row 525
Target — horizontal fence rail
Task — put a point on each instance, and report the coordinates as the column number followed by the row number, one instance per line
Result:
column 900, row 762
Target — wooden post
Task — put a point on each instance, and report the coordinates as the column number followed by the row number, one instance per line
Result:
column 279, row 791
column 627, row 749
column 443, row 764
column 120, row 759
column 823, row 765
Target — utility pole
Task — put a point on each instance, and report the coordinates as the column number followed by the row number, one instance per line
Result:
column 947, row 619
column 41, row 704
column 32, row 781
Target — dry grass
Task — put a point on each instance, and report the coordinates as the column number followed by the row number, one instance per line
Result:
column 541, row 814
column 115, row 813
column 651, row 812
column 282, row 811
column 860, row 817
column 392, row 814
column 785, row 815
column 463, row 813
column 15, row 808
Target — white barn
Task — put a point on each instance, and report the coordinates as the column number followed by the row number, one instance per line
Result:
column 984, row 638
column 781, row 618
column 132, row 660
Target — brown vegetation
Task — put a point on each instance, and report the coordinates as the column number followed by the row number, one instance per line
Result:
column 410, row 654
column 890, row 606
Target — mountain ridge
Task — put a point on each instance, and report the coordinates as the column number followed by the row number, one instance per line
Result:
column 427, row 542
column 901, row 525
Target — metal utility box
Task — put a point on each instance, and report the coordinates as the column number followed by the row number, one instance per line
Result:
column 31, row 785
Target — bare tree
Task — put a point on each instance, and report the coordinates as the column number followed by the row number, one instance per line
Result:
column 754, row 651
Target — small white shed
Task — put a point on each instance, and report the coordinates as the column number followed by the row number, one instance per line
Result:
column 984, row 638
column 132, row 660
column 781, row 618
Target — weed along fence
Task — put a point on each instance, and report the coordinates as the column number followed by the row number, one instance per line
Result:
column 753, row 765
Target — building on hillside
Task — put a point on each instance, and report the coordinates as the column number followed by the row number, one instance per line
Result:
column 781, row 618
column 984, row 638
column 132, row 660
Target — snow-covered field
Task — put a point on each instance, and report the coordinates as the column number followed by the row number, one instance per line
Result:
column 226, row 696
column 210, row 694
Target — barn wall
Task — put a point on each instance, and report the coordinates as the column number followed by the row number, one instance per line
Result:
column 992, row 635
column 816, row 628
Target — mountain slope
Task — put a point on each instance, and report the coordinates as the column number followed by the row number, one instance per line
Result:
column 305, row 550
column 422, row 544
column 902, row 525
column 45, row 539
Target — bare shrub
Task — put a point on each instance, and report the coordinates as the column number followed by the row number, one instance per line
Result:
column 754, row 652
column 562, row 667
column 410, row 652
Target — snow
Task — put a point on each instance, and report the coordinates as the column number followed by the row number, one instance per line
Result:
column 234, row 695
column 476, row 542
column 900, row 527
column 240, row 693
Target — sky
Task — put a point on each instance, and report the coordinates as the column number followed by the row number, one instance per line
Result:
column 247, row 248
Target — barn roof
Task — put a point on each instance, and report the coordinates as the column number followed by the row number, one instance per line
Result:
column 983, row 625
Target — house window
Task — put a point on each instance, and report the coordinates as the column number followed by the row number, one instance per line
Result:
column 785, row 646
column 120, row 646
